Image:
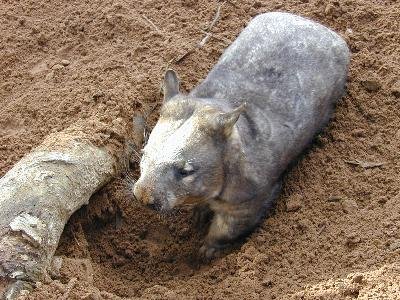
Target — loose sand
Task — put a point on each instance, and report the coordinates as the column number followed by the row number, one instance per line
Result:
column 335, row 233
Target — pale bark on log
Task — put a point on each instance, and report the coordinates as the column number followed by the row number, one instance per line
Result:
column 37, row 197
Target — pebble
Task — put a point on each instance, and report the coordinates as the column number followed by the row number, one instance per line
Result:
column 334, row 198
column 349, row 206
column 97, row 95
column 257, row 4
column 57, row 67
column 371, row 85
column 92, row 296
column 329, row 9
column 358, row 278
column 382, row 200
column 42, row 39
column 65, row 62
column 349, row 31
column 352, row 239
column 35, row 29
column 351, row 290
column 294, row 203
column 162, row 291
column 267, row 283
column 303, row 224
column 50, row 76
column 358, row 132
column 395, row 90
column 394, row 246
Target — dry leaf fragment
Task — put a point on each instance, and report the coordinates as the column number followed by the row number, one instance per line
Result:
column 364, row 164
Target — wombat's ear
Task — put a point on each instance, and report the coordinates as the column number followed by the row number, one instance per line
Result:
column 226, row 121
column 170, row 85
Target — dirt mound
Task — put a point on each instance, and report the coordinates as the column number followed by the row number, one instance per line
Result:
column 335, row 233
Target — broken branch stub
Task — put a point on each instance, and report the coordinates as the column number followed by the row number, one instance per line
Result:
column 37, row 197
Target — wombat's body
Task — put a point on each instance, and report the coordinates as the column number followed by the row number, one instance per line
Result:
column 282, row 76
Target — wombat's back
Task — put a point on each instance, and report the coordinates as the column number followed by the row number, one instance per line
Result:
column 290, row 71
column 283, row 63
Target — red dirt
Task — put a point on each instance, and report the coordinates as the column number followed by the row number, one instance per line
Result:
column 335, row 233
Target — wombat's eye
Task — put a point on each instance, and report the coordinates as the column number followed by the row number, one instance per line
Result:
column 185, row 171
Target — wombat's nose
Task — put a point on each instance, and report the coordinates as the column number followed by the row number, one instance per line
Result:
column 141, row 195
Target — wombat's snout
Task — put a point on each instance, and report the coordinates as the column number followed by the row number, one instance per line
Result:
column 143, row 196
column 140, row 194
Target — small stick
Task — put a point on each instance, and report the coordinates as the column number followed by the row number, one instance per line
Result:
column 178, row 60
column 364, row 164
column 210, row 27
column 151, row 23
column 204, row 40
column 216, row 37
column 76, row 240
column 216, row 17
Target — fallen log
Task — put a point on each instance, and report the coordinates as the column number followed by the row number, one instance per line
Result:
column 37, row 197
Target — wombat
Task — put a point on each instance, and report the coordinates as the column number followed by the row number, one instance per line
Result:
column 227, row 143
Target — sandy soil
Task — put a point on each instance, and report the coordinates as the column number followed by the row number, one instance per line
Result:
column 335, row 233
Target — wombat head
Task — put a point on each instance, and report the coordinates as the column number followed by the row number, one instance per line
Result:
column 183, row 160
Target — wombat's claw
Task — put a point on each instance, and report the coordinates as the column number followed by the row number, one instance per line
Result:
column 208, row 252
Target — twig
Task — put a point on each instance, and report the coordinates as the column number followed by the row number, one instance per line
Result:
column 178, row 60
column 151, row 23
column 216, row 18
column 76, row 240
column 204, row 40
column 364, row 164
column 216, row 37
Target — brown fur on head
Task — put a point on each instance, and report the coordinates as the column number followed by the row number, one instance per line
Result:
column 183, row 161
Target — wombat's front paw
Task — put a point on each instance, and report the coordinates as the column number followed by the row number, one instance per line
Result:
column 201, row 216
column 209, row 251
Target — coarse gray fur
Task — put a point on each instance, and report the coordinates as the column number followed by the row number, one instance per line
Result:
column 228, row 142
